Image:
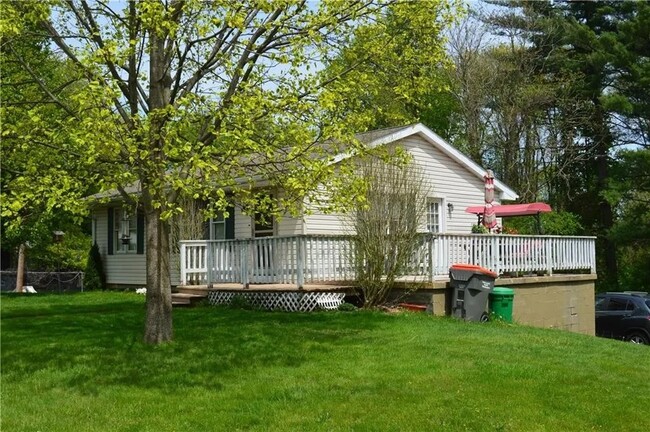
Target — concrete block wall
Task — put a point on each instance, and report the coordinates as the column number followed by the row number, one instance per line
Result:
column 560, row 301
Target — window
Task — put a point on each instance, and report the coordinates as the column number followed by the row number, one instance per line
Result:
column 263, row 225
column 433, row 216
column 125, row 231
column 218, row 227
column 616, row 304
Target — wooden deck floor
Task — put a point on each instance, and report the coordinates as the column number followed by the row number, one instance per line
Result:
column 325, row 287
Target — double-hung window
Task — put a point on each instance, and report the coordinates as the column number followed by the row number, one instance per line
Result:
column 218, row 227
column 434, row 217
column 125, row 231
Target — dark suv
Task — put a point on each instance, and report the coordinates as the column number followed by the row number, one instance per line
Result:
column 624, row 315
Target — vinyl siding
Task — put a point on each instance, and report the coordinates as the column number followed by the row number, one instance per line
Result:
column 243, row 225
column 284, row 226
column 449, row 181
column 445, row 180
column 320, row 223
column 289, row 226
column 123, row 268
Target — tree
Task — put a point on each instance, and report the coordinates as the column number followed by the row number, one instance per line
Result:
column 472, row 79
column 203, row 100
column 32, row 209
column 403, row 79
column 602, row 48
column 629, row 194
column 387, row 224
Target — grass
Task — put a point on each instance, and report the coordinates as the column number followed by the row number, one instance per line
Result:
column 75, row 362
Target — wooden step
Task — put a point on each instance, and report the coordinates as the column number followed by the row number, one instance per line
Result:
column 186, row 299
column 180, row 304
column 192, row 290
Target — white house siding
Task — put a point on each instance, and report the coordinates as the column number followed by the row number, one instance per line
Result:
column 243, row 225
column 318, row 222
column 122, row 268
column 447, row 180
column 284, row 226
column 289, row 226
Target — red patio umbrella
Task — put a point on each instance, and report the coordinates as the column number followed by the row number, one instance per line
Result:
column 489, row 215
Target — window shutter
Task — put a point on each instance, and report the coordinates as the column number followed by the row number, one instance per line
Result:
column 206, row 230
column 111, row 227
column 230, row 223
column 140, row 232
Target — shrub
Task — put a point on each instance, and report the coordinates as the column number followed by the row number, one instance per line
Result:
column 479, row 229
column 94, row 277
column 239, row 301
column 347, row 307
column 387, row 225
column 553, row 223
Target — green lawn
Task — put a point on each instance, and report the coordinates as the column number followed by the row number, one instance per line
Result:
column 76, row 363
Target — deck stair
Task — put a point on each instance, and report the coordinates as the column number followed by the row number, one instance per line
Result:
column 188, row 296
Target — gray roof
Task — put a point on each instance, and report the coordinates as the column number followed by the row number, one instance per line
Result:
column 132, row 189
column 372, row 139
column 373, row 135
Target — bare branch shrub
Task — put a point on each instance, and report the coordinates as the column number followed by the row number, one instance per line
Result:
column 188, row 225
column 387, row 226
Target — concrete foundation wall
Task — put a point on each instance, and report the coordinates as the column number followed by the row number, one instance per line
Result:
column 560, row 301
column 564, row 301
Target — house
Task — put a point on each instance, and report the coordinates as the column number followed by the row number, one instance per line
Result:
column 312, row 255
column 456, row 182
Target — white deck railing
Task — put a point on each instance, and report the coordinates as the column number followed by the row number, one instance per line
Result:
column 310, row 258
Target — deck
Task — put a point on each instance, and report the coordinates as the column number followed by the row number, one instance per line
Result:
column 310, row 262
column 331, row 287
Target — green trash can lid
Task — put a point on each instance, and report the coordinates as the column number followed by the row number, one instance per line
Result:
column 503, row 290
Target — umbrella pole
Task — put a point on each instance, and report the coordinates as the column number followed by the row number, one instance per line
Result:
column 540, row 230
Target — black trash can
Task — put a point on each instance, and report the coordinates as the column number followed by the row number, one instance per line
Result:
column 471, row 287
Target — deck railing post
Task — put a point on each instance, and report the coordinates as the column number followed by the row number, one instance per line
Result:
column 209, row 257
column 183, row 263
column 300, row 258
column 245, row 257
column 430, row 240
column 592, row 255
column 549, row 255
column 496, row 254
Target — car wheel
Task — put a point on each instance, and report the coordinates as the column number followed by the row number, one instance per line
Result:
column 638, row 338
column 485, row 317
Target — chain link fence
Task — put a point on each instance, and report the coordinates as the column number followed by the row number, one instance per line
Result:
column 45, row 281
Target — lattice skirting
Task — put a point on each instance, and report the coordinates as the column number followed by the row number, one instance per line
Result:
column 286, row 301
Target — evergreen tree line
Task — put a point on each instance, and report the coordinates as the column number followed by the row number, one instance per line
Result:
column 555, row 98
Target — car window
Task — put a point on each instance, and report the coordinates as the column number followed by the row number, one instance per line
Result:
column 600, row 303
column 616, row 304
column 647, row 302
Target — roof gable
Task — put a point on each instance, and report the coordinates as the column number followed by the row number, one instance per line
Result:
column 381, row 137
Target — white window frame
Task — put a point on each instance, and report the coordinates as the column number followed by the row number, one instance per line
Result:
column 441, row 214
column 219, row 220
column 268, row 232
column 125, row 222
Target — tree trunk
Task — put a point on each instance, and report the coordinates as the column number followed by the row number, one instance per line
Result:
column 20, row 271
column 158, row 325
column 604, row 141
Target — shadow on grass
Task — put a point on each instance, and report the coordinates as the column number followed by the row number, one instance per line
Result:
column 89, row 346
